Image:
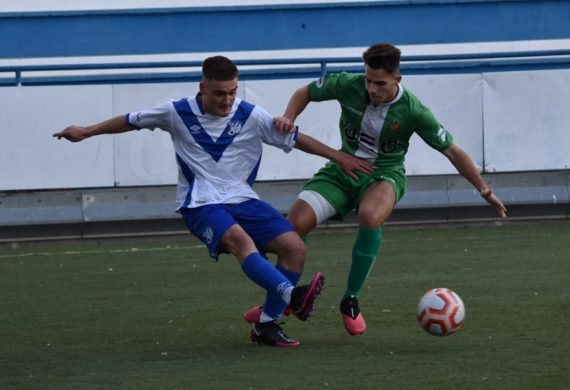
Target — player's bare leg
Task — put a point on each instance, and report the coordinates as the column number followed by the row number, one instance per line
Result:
column 302, row 217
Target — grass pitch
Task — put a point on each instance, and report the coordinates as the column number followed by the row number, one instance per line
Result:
column 162, row 315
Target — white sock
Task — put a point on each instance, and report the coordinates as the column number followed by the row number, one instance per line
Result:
column 266, row 318
column 286, row 294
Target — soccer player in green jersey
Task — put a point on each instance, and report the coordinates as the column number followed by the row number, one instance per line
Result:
column 377, row 120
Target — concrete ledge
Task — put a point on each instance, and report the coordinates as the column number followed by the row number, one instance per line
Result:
column 140, row 211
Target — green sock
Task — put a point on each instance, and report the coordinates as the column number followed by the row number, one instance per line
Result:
column 364, row 254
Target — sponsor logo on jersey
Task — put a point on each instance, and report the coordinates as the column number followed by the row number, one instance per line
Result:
column 351, row 109
column 235, row 128
column 350, row 132
column 388, row 147
column 195, row 128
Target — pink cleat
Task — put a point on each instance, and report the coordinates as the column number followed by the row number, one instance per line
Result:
column 351, row 316
column 302, row 301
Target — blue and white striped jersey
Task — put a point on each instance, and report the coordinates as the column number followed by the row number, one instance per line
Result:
column 218, row 157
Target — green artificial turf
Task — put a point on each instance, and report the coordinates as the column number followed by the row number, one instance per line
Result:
column 163, row 315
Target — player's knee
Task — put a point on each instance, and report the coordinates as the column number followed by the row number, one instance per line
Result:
column 371, row 218
column 237, row 242
column 299, row 250
column 294, row 253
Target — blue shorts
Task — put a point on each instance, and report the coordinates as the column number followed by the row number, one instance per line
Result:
column 261, row 221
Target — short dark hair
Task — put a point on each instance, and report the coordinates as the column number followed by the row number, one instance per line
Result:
column 219, row 68
column 383, row 56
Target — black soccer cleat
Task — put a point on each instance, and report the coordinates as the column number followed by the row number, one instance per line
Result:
column 270, row 333
column 303, row 297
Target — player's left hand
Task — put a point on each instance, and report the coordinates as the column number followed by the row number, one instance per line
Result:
column 494, row 201
column 284, row 124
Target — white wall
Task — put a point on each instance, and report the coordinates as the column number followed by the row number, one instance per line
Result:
column 527, row 120
column 456, row 100
column 510, row 121
column 31, row 159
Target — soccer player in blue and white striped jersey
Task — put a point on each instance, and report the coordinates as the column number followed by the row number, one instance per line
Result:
column 218, row 139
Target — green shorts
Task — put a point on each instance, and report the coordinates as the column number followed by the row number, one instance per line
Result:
column 344, row 193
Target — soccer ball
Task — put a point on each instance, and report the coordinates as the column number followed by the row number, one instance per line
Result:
column 440, row 312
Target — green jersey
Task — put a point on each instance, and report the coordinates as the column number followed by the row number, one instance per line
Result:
column 380, row 134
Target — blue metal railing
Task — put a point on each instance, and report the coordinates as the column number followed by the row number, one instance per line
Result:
column 282, row 67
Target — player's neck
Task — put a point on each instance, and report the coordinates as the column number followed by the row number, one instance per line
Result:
column 394, row 95
column 204, row 106
column 390, row 100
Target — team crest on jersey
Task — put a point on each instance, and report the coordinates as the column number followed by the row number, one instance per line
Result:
column 234, row 128
column 395, row 126
column 208, row 235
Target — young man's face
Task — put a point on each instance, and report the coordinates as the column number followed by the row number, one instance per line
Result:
column 218, row 96
column 381, row 85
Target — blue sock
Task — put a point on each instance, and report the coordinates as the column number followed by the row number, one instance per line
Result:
column 293, row 277
column 264, row 274
column 274, row 305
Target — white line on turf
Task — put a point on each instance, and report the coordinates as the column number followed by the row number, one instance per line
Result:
column 89, row 252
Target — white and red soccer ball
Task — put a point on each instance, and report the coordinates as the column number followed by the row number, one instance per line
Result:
column 440, row 312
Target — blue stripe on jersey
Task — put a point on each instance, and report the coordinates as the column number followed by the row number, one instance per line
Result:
column 214, row 148
column 253, row 175
column 189, row 176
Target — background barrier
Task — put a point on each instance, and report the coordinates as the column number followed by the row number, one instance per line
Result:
column 504, row 97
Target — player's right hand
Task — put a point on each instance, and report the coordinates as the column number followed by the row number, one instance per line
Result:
column 72, row 133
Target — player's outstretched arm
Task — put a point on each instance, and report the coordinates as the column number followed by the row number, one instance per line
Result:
column 349, row 164
column 295, row 107
column 465, row 166
column 114, row 125
column 298, row 102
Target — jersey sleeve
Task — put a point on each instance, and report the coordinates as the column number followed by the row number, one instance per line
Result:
column 153, row 118
column 432, row 132
column 269, row 133
column 329, row 87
